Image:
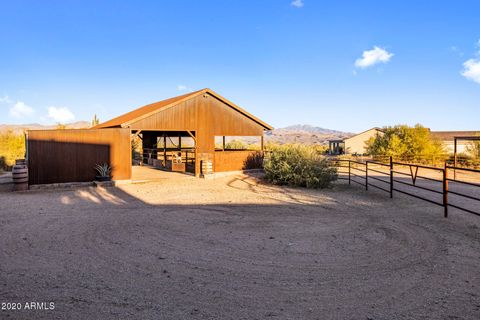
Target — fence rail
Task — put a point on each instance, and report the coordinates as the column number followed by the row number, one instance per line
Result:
column 359, row 172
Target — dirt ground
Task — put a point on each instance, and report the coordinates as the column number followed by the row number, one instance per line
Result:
column 235, row 248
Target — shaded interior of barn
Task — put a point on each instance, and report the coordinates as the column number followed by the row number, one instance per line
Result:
column 175, row 150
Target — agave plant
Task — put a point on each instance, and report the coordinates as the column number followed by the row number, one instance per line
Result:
column 103, row 170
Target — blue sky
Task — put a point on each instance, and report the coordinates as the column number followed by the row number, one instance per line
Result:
column 346, row 65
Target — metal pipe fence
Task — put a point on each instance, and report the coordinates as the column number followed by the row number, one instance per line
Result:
column 404, row 178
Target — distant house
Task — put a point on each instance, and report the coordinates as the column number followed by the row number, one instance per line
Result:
column 448, row 139
column 353, row 145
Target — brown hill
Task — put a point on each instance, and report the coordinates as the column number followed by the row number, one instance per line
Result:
column 20, row 128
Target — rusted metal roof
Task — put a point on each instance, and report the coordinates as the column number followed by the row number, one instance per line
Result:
column 142, row 112
column 450, row 135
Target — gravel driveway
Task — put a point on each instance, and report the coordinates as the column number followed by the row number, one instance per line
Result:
column 234, row 248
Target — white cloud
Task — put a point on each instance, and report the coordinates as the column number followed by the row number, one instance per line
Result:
column 60, row 114
column 6, row 99
column 181, row 87
column 297, row 3
column 472, row 70
column 372, row 57
column 20, row 109
column 471, row 67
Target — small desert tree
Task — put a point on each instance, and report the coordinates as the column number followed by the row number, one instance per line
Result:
column 404, row 142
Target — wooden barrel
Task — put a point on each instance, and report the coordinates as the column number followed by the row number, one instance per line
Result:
column 20, row 177
column 21, row 162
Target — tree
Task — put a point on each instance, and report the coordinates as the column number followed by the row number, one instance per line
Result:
column 404, row 142
column 95, row 120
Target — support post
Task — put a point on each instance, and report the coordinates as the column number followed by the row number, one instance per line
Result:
column 164, row 150
column 223, row 143
column 366, row 175
column 455, row 158
column 391, row 177
column 445, row 192
column 349, row 170
column 262, row 146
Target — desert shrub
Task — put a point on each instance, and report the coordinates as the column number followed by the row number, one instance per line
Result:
column 254, row 160
column 298, row 165
column 12, row 146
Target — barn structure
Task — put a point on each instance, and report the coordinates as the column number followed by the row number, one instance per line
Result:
column 177, row 134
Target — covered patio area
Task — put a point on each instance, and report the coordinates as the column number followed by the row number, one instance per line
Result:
column 166, row 150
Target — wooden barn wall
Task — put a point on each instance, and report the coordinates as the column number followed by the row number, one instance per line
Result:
column 227, row 121
column 59, row 156
column 181, row 117
column 231, row 160
column 205, row 112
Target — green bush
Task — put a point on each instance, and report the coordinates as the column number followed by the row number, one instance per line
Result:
column 300, row 166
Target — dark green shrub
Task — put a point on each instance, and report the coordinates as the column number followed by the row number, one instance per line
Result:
column 300, row 166
column 254, row 160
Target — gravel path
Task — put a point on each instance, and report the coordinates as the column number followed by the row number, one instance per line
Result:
column 234, row 248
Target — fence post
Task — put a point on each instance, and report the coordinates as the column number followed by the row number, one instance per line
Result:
column 445, row 192
column 391, row 177
column 366, row 175
column 349, row 165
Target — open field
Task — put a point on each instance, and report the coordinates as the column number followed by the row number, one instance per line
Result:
column 234, row 248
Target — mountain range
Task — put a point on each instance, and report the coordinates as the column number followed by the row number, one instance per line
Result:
column 304, row 134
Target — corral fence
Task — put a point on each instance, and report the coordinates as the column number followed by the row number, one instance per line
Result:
column 436, row 185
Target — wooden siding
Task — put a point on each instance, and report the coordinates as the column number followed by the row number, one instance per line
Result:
column 181, row 117
column 226, row 121
column 231, row 160
column 57, row 156
column 201, row 111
